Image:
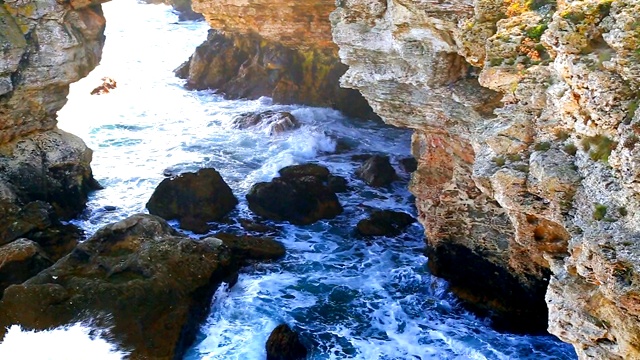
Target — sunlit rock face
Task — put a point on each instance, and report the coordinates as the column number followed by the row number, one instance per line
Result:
column 526, row 132
column 282, row 50
column 46, row 45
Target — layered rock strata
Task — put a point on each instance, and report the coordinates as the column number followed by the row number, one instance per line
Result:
column 44, row 172
column 282, row 50
column 526, row 131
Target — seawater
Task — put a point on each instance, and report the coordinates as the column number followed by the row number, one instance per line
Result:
column 348, row 297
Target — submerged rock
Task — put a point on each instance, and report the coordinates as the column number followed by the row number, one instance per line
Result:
column 139, row 278
column 385, row 223
column 377, row 171
column 297, row 196
column 274, row 122
column 284, row 344
column 193, row 198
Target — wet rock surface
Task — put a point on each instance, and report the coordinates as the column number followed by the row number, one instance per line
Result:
column 193, row 198
column 377, row 171
column 525, row 117
column 282, row 50
column 299, row 196
column 273, row 122
column 19, row 261
column 284, row 344
column 385, row 223
column 139, row 278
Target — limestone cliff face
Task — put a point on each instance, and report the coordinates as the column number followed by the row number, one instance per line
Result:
column 282, row 50
column 45, row 46
column 526, row 131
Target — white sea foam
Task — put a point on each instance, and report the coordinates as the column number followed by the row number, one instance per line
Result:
column 75, row 342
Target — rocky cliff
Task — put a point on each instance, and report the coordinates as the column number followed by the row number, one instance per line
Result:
column 526, row 132
column 282, row 50
column 44, row 172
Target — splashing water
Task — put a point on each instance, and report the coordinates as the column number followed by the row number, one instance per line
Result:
column 348, row 297
column 72, row 342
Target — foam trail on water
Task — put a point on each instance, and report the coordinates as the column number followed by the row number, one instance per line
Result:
column 75, row 342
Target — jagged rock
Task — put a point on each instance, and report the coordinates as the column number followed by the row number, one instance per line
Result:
column 138, row 277
column 385, row 223
column 16, row 222
column 274, row 122
column 19, row 261
column 181, row 7
column 52, row 166
column 193, row 198
column 526, row 124
column 37, row 221
column 68, row 46
column 247, row 65
column 377, row 171
column 284, row 344
column 252, row 247
column 298, row 196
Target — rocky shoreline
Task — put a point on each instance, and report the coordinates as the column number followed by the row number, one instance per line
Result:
column 525, row 131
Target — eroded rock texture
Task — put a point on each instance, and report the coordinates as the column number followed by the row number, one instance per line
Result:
column 46, row 45
column 282, row 50
column 45, row 174
column 150, row 286
column 526, row 132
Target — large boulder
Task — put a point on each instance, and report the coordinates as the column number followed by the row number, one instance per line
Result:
column 19, row 261
column 53, row 167
column 284, row 344
column 377, row 171
column 139, row 278
column 385, row 223
column 193, row 198
column 300, row 200
column 273, row 122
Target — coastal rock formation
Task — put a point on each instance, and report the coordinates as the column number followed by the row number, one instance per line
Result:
column 148, row 285
column 193, row 198
column 526, row 133
column 46, row 45
column 181, row 7
column 300, row 195
column 279, row 49
column 284, row 344
column 272, row 122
